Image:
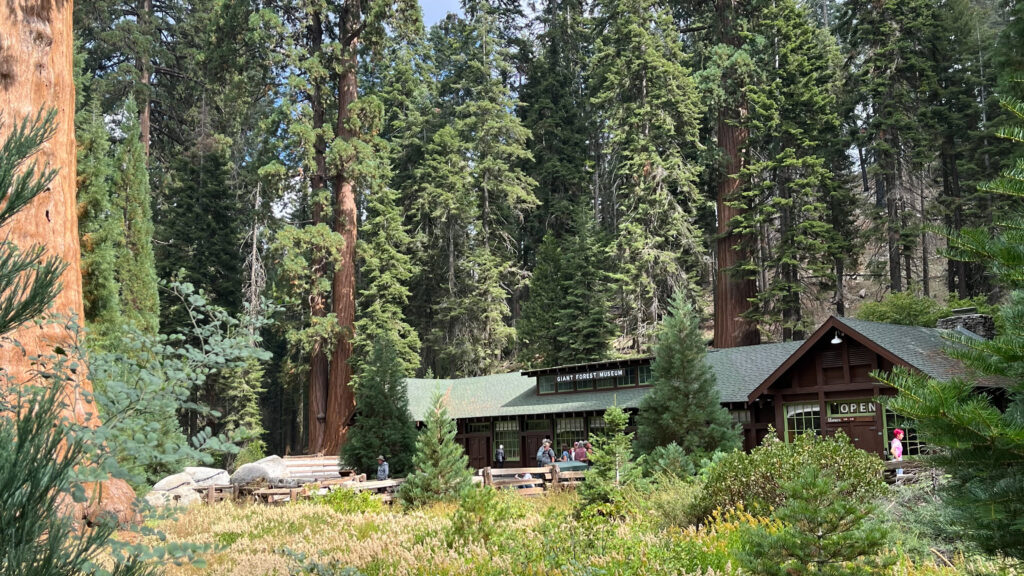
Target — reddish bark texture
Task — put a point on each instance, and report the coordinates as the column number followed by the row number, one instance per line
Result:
column 732, row 291
column 36, row 73
column 341, row 401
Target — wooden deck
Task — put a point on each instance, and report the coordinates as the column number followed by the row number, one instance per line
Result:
column 543, row 479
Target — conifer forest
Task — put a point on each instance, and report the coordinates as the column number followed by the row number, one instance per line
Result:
column 246, row 213
column 525, row 183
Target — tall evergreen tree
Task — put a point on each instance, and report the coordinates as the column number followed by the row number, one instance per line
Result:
column 684, row 407
column 136, row 270
column 200, row 231
column 647, row 106
column 472, row 202
column 98, row 224
column 567, row 318
column 891, row 76
column 383, row 424
column 785, row 209
column 440, row 467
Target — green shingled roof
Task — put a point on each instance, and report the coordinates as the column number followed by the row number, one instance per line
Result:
column 922, row 348
column 511, row 395
column 738, row 371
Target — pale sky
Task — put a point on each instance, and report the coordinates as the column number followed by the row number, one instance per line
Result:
column 434, row 10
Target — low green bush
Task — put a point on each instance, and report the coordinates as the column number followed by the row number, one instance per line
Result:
column 755, row 479
column 351, row 502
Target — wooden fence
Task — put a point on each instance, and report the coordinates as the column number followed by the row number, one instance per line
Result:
column 542, row 478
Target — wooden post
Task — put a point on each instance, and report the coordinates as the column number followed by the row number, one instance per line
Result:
column 554, row 476
column 209, row 494
column 488, row 479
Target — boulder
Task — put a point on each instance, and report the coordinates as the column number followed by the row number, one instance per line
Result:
column 182, row 497
column 267, row 469
column 208, row 476
column 174, row 481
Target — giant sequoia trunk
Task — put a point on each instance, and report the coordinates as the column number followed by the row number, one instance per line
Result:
column 318, row 370
column 36, row 73
column 733, row 290
column 340, row 397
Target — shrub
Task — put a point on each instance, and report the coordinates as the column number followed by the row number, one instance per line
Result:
column 671, row 501
column 910, row 310
column 612, row 466
column 351, row 502
column 755, row 479
column 823, row 527
column 37, row 482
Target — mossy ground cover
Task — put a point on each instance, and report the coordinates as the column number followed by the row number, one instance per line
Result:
column 515, row 535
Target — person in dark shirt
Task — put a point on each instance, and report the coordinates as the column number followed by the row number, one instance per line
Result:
column 382, row 468
column 499, row 456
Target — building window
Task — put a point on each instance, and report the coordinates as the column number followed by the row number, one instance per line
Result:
column 568, row 431
column 546, row 384
column 627, row 380
column 740, row 416
column 583, row 385
column 566, row 385
column 538, row 425
column 605, row 383
column 911, row 445
column 506, row 433
column 802, row 418
column 645, row 375
column 478, row 427
column 596, row 424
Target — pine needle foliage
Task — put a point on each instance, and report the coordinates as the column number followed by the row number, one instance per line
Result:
column 612, row 466
column 37, row 481
column 28, row 282
column 820, row 530
column 383, row 424
column 982, row 446
column 440, row 466
column 136, row 268
column 684, row 407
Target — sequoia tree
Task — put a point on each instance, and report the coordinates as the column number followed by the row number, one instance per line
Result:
column 34, row 75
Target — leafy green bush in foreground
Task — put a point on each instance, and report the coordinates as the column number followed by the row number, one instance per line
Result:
column 756, row 479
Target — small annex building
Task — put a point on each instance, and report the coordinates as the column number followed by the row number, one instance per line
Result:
column 822, row 384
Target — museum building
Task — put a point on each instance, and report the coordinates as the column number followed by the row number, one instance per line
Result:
column 822, row 384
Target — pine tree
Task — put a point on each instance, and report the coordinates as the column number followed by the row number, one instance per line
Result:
column 684, row 406
column 611, row 463
column 554, row 109
column 891, row 77
column 136, row 272
column 647, row 106
column 440, row 467
column 383, row 424
column 822, row 531
column 785, row 209
column 199, row 231
column 98, row 224
column 982, row 445
column 566, row 319
column 386, row 266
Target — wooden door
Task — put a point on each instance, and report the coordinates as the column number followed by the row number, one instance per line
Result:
column 531, row 444
column 478, row 448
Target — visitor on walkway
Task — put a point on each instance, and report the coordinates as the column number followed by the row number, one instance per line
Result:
column 896, row 449
column 499, row 456
column 580, row 453
column 382, row 468
column 545, row 456
column 565, row 454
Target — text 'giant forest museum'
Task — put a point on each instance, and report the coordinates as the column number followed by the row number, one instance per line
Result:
column 822, row 384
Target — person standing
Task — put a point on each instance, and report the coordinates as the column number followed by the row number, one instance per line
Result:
column 383, row 472
column 499, row 456
column 545, row 456
column 896, row 448
column 580, row 453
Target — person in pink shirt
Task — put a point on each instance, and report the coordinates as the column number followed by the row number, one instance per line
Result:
column 896, row 448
